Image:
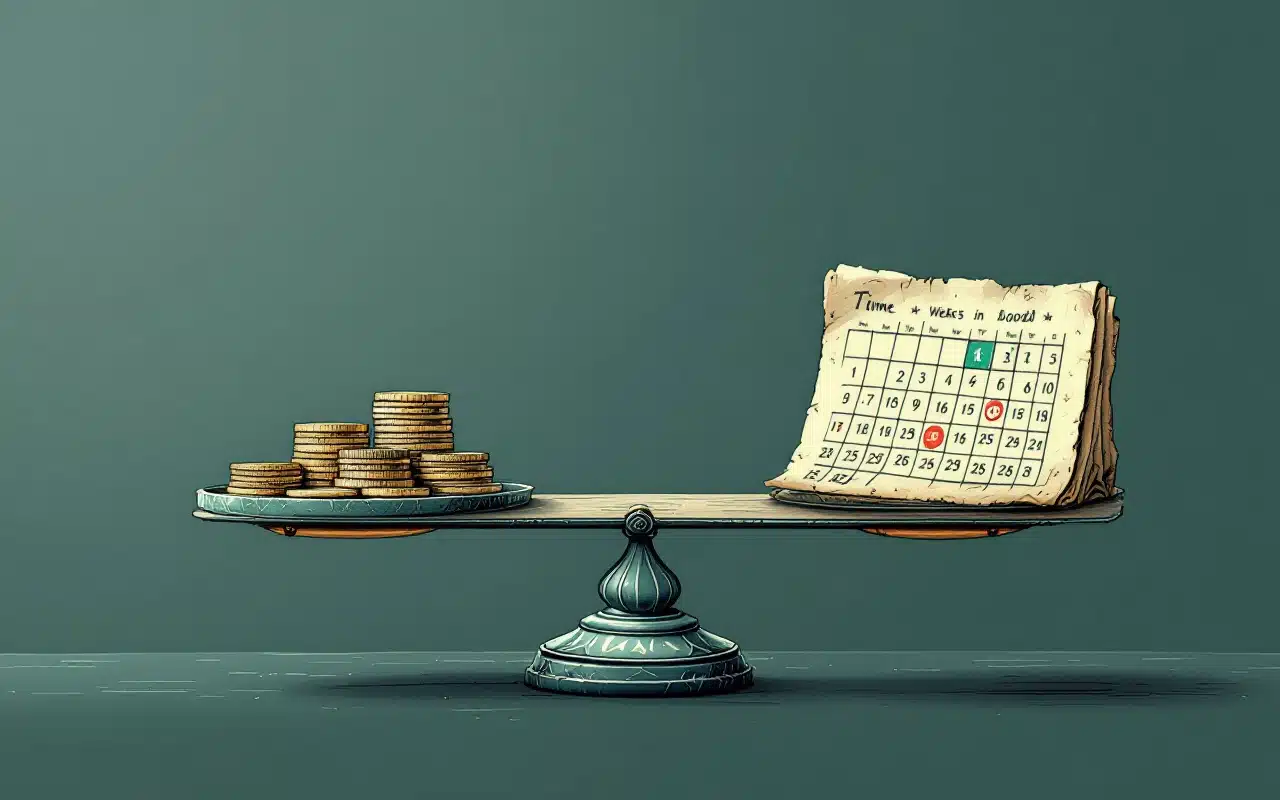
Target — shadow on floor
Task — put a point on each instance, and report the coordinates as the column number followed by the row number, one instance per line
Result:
column 1102, row 687
column 1073, row 688
column 436, row 686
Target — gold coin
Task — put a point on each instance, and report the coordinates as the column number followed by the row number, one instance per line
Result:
column 411, row 397
column 324, row 438
column 410, row 419
column 264, row 466
column 367, row 483
column 376, row 463
column 388, row 407
column 425, row 427
column 447, row 458
column 265, row 484
column 322, row 491
column 336, row 447
column 277, row 475
column 413, row 435
column 301, row 448
column 419, row 443
column 431, row 444
column 318, row 484
column 432, row 481
column 479, row 488
column 454, row 474
column 254, row 492
column 267, row 477
column 377, row 453
column 415, row 491
column 396, row 439
column 315, row 460
column 400, row 422
column 410, row 411
column 331, row 427
column 378, row 474
column 451, row 480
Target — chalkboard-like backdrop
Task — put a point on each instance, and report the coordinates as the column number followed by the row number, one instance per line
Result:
column 603, row 227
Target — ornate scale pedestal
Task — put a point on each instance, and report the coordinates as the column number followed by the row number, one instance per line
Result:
column 640, row 644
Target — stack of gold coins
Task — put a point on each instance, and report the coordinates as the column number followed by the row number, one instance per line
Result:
column 264, row 478
column 316, row 446
column 417, row 421
column 456, row 473
column 378, row 472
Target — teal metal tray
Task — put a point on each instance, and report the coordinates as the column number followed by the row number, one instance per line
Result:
column 215, row 499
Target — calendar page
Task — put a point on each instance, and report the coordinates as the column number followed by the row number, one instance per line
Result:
column 958, row 391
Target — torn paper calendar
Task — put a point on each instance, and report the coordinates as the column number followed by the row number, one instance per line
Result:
column 960, row 391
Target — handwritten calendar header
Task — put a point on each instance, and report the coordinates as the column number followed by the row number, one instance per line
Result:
column 864, row 302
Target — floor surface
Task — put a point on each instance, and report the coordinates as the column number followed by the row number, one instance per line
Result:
column 902, row 725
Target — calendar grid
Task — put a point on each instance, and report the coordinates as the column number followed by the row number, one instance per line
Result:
column 938, row 415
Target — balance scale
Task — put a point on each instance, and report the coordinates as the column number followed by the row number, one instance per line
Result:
column 640, row 644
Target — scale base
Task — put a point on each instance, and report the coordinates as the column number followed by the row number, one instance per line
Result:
column 618, row 654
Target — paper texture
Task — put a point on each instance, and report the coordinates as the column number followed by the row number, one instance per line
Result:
column 960, row 391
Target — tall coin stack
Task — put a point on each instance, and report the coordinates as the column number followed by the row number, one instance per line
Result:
column 264, row 478
column 415, row 421
column 456, row 473
column 378, row 472
column 316, row 446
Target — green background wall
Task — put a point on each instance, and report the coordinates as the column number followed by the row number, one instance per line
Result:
column 603, row 227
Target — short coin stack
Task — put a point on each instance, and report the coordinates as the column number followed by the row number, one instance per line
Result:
column 316, row 446
column 456, row 473
column 417, row 421
column 378, row 472
column 264, row 478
